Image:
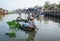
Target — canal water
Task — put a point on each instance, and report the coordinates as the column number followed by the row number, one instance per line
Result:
column 48, row 29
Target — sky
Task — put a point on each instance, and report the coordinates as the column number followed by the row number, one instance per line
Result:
column 15, row 4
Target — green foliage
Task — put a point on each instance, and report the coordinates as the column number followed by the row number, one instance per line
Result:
column 11, row 12
column 13, row 24
column 58, row 5
column 11, row 34
column 28, row 39
column 46, row 4
column 1, row 16
column 51, row 6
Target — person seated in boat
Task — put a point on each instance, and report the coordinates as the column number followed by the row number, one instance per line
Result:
column 31, row 23
column 31, row 18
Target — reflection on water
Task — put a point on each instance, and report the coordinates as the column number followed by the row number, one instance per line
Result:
column 54, row 19
column 1, row 16
column 48, row 30
column 11, row 34
column 31, row 36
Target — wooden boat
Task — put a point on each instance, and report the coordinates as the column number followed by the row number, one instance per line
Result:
column 28, row 28
column 24, row 24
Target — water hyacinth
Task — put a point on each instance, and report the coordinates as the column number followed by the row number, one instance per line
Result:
column 13, row 24
column 11, row 34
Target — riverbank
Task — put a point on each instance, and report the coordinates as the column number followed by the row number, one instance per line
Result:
column 52, row 13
